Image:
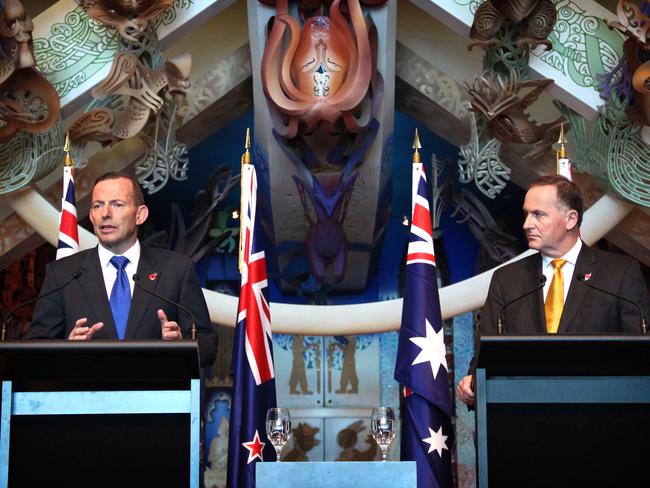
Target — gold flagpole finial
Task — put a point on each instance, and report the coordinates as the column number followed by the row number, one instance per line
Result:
column 246, row 157
column 561, row 150
column 66, row 148
column 416, row 146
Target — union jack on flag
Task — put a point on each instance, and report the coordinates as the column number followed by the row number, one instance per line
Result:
column 252, row 363
column 68, row 231
column 421, row 366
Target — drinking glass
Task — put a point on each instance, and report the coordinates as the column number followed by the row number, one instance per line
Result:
column 278, row 428
column 384, row 428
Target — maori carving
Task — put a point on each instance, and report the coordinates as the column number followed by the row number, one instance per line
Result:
column 615, row 151
column 324, row 74
column 141, row 93
column 321, row 80
column 504, row 105
column 631, row 78
column 28, row 102
column 131, row 18
column 534, row 20
column 145, row 89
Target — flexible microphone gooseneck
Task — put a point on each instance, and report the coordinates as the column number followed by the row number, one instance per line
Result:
column 75, row 275
column 585, row 281
column 136, row 280
column 542, row 281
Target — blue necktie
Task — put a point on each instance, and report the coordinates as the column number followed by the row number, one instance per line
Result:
column 120, row 296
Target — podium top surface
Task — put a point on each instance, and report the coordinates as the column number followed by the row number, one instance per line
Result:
column 104, row 361
column 562, row 355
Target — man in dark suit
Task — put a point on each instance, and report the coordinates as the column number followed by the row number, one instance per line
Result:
column 101, row 301
column 560, row 276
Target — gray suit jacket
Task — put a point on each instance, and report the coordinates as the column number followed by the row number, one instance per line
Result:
column 169, row 274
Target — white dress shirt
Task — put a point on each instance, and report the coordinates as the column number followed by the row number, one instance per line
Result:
column 110, row 272
column 567, row 270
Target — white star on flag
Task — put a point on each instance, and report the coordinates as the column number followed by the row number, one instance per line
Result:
column 433, row 349
column 436, row 441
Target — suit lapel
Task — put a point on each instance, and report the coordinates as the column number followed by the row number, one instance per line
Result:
column 535, row 302
column 92, row 286
column 577, row 291
column 146, row 270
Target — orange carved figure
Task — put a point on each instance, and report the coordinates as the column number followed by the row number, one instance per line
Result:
column 323, row 76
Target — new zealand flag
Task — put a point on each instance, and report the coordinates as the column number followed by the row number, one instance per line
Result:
column 421, row 366
column 252, row 362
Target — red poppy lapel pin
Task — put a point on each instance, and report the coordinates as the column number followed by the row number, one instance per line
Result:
column 587, row 276
column 153, row 276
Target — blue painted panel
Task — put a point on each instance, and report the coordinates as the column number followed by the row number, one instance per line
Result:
column 337, row 474
column 600, row 389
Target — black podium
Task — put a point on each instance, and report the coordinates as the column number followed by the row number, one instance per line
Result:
column 99, row 413
column 563, row 411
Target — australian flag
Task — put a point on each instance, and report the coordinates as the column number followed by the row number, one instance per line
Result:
column 252, row 358
column 421, row 366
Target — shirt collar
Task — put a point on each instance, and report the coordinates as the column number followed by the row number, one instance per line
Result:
column 571, row 256
column 132, row 254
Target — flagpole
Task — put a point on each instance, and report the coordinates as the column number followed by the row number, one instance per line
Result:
column 245, row 164
column 562, row 163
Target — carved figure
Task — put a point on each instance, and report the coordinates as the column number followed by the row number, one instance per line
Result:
column 534, row 20
column 145, row 90
column 502, row 103
column 326, row 243
column 130, row 17
column 27, row 100
column 348, row 347
column 298, row 370
column 348, row 438
column 324, row 74
column 304, row 440
column 633, row 23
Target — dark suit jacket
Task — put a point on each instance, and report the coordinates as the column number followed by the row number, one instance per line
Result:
column 169, row 274
column 586, row 311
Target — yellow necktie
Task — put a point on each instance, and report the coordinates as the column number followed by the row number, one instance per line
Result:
column 555, row 297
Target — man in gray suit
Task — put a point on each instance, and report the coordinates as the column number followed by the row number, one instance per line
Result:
column 100, row 300
column 551, row 291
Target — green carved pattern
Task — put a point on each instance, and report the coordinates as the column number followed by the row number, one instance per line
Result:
column 583, row 45
column 506, row 58
column 76, row 49
column 79, row 47
column 614, row 153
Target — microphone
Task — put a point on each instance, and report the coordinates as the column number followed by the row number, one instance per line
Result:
column 585, row 281
column 136, row 280
column 542, row 281
column 74, row 276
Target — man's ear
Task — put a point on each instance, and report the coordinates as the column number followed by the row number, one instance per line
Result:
column 571, row 219
column 143, row 213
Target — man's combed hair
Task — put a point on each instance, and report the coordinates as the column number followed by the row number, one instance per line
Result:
column 568, row 192
column 115, row 175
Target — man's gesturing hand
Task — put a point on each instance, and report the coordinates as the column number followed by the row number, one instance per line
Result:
column 170, row 329
column 82, row 333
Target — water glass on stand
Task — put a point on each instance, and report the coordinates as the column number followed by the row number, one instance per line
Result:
column 384, row 428
column 278, row 428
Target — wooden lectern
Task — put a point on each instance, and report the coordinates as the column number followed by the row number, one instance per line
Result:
column 99, row 413
column 563, row 411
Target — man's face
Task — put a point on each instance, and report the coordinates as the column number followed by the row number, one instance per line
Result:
column 114, row 214
column 548, row 223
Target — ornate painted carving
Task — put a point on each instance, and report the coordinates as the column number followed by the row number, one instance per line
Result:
column 324, row 74
column 141, row 93
column 534, row 20
column 27, row 100
column 145, row 90
column 323, row 89
column 130, row 18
